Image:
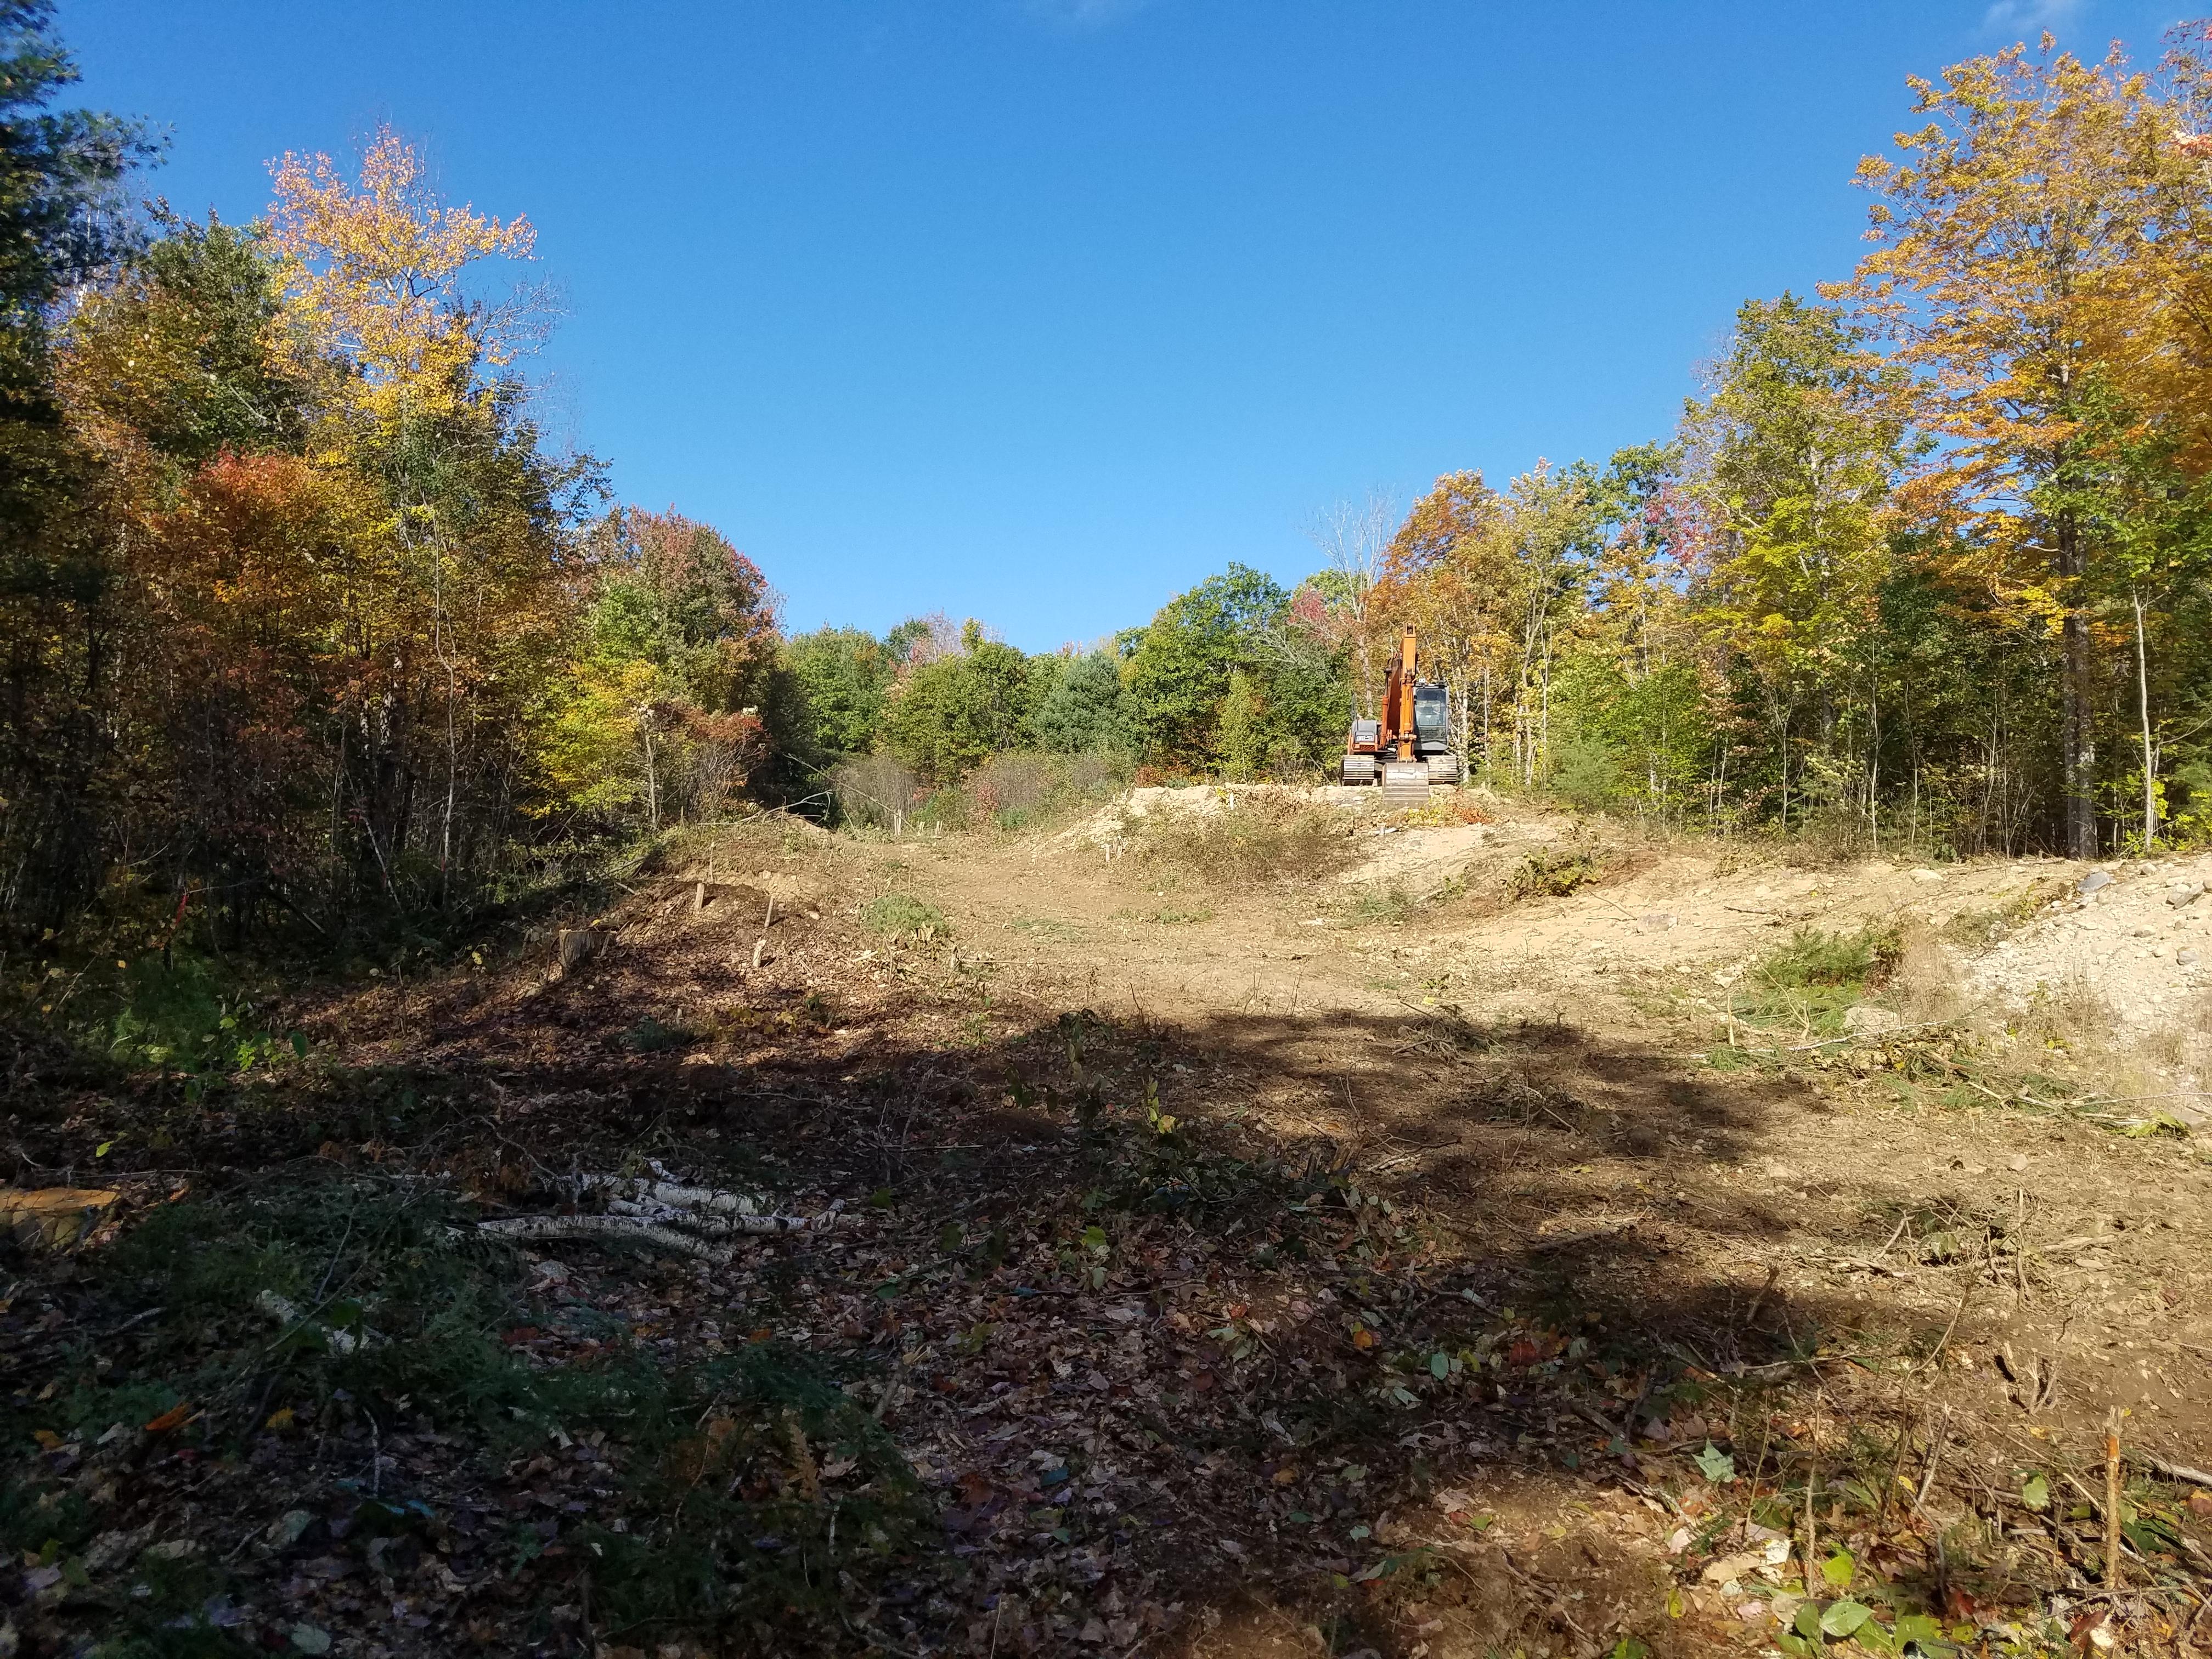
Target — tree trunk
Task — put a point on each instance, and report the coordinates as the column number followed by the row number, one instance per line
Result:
column 2142, row 708
column 2077, row 737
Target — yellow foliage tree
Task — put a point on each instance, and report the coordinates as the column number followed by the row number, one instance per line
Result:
column 376, row 271
column 2006, row 243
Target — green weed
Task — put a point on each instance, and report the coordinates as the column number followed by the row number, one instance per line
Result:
column 906, row 919
column 1375, row 906
column 1813, row 979
column 651, row 1036
column 1813, row 959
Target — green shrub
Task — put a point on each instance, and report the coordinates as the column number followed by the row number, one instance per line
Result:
column 186, row 1015
column 906, row 919
column 1815, row 978
column 1813, row 959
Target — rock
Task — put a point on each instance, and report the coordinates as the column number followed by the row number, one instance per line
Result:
column 2187, row 959
column 1928, row 875
column 1864, row 1019
column 2186, row 897
column 1658, row 921
column 2095, row 881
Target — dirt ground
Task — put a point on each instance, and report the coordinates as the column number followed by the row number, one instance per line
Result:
column 1644, row 1179
column 1392, row 1259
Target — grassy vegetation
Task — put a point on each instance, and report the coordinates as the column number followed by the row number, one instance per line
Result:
column 1810, row 982
column 906, row 919
column 1375, row 906
column 1258, row 840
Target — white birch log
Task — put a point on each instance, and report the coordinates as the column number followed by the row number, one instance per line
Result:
column 640, row 1229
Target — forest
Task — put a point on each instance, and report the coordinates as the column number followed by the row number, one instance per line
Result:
column 311, row 632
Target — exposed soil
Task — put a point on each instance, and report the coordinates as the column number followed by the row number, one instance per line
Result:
column 1378, row 1260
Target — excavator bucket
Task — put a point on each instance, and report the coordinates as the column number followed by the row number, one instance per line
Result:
column 1406, row 783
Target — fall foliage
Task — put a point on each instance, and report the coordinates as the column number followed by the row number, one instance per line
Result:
column 305, row 619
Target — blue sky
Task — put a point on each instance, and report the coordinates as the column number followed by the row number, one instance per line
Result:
column 1040, row 311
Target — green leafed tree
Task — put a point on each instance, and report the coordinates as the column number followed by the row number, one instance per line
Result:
column 840, row 677
column 1083, row 707
column 950, row 713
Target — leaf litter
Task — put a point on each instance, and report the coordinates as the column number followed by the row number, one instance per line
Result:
column 1090, row 1366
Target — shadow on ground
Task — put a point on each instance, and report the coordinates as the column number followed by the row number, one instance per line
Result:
column 1147, row 1338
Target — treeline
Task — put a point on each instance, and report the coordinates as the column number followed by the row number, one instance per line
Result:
column 1928, row 563
column 303, row 621
column 306, row 623
column 1236, row 676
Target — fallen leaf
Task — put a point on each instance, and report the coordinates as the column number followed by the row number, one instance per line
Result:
column 1733, row 1566
column 170, row 1419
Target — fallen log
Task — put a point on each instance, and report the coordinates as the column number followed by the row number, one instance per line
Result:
column 639, row 1229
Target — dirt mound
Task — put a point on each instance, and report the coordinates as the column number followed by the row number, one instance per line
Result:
column 1113, row 823
column 2133, row 944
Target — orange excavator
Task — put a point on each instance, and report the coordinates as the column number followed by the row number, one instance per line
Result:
column 1409, row 747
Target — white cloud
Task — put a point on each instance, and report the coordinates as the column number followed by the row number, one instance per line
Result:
column 2029, row 16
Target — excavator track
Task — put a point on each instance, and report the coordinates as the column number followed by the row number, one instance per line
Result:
column 1406, row 783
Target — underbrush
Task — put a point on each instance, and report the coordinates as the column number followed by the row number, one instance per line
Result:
column 1456, row 809
column 1251, row 839
column 310, row 1331
column 1016, row 790
column 174, row 1012
column 1815, row 978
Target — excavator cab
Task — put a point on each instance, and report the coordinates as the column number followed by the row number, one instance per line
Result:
column 1432, row 719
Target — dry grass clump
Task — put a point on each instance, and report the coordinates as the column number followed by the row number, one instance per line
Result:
column 2071, row 1014
column 1251, row 841
column 1921, row 982
column 1554, row 872
column 880, row 792
column 1446, row 813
